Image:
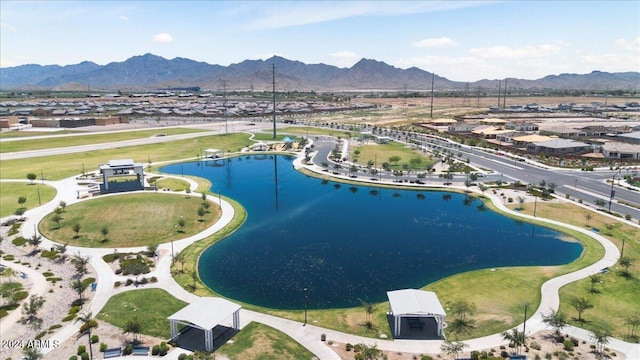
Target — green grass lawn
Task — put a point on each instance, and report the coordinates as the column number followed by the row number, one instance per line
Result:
column 4, row 134
column 132, row 219
column 618, row 296
column 62, row 166
column 55, row 142
column 11, row 191
column 153, row 314
column 258, row 341
column 380, row 153
column 302, row 130
column 172, row 184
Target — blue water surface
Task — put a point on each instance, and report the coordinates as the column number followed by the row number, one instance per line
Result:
column 345, row 244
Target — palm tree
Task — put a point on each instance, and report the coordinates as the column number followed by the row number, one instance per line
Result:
column 87, row 324
column 516, row 339
column 31, row 353
column 180, row 257
column 366, row 352
column 194, row 277
column 30, row 311
column 80, row 262
column 632, row 321
column 600, row 336
column 79, row 287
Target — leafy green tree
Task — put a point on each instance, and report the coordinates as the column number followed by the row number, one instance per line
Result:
column 30, row 311
column 595, row 280
column 22, row 200
column 556, row 319
column 133, row 326
column 206, row 205
column 452, row 348
column 104, row 231
column 365, row 352
column 88, row 323
column 201, row 212
column 580, row 305
column 31, row 177
column 632, row 321
column 182, row 223
column 57, row 219
column 62, row 205
column 76, row 229
column 626, row 263
column 394, row 159
column 31, row 353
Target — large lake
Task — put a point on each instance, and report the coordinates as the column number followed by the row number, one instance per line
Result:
column 346, row 243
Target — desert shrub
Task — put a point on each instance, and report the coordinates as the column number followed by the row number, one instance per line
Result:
column 84, row 356
column 154, row 279
column 41, row 335
column 155, row 350
column 103, row 347
column 127, row 350
column 74, row 357
column 117, row 284
column 182, row 356
column 504, row 354
column 568, row 345
column 74, row 309
column 348, row 347
column 69, row 317
column 21, row 295
column 164, row 349
column 19, row 241
column 9, row 257
column 95, row 339
column 426, row 357
column 129, row 282
column 81, row 349
column 535, row 345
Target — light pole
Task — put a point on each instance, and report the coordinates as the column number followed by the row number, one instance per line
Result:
column 305, row 307
column 613, row 192
column 535, row 205
column 524, row 326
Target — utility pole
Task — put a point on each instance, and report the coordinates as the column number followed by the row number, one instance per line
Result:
column 274, row 99
column 433, row 77
column 224, row 104
column 499, row 86
column 504, row 101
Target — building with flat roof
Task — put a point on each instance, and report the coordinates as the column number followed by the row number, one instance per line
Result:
column 121, row 175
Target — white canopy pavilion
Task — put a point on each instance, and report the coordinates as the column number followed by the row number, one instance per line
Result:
column 414, row 307
column 205, row 314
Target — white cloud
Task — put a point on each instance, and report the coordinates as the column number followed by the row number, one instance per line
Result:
column 303, row 13
column 610, row 62
column 633, row 45
column 506, row 52
column 162, row 38
column 436, row 42
column 124, row 18
column 344, row 58
column 7, row 27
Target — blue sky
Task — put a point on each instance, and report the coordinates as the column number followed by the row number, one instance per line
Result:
column 460, row 40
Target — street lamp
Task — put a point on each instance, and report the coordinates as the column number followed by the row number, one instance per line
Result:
column 305, row 307
column 613, row 192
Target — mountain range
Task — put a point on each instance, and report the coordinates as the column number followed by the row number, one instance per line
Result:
column 149, row 72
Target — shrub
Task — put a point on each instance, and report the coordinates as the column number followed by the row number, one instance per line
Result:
column 9, row 257
column 74, row 309
column 94, row 339
column 535, row 345
column 426, row 357
column 41, row 334
column 568, row 345
column 84, row 356
column 127, row 350
column 504, row 354
column 182, row 356
column 117, row 284
column 74, row 357
column 81, row 349
column 164, row 349
column 348, row 347
column 19, row 241
column 475, row 355
column 154, row 279
column 155, row 350
column 69, row 317
column 129, row 282
column 103, row 347
column 510, row 200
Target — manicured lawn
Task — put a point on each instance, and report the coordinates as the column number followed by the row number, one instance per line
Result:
column 153, row 314
column 172, row 184
column 62, row 166
column 300, row 131
column 258, row 341
column 55, row 142
column 381, row 153
column 618, row 296
column 132, row 219
column 11, row 191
